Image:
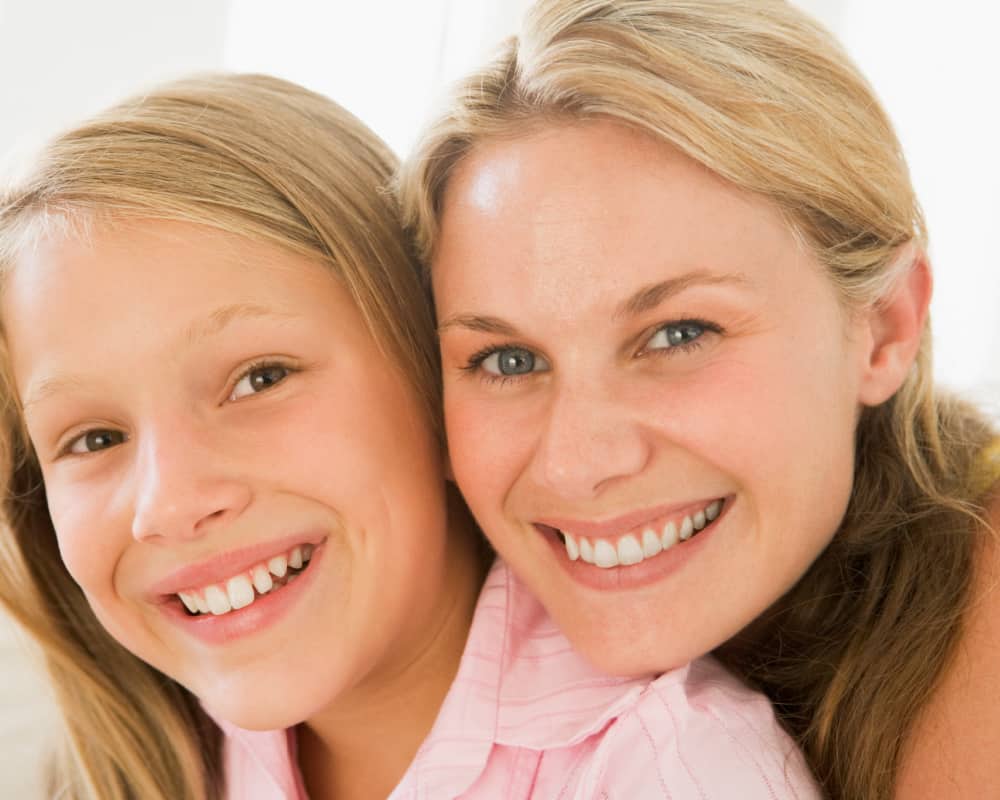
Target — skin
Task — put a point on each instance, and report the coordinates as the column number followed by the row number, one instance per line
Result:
column 544, row 240
column 154, row 333
column 952, row 749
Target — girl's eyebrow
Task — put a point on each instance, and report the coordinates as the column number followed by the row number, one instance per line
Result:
column 213, row 324
column 48, row 387
column 644, row 299
column 217, row 320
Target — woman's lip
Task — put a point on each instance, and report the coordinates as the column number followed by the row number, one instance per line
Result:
column 647, row 572
column 223, row 566
column 626, row 522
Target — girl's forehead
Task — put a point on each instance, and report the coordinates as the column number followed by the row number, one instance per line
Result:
column 153, row 287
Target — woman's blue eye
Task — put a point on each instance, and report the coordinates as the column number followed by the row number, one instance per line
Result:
column 675, row 335
column 95, row 440
column 258, row 379
column 512, row 361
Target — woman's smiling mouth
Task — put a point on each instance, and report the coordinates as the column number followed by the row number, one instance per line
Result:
column 636, row 543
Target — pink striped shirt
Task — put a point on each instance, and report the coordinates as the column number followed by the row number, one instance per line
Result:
column 528, row 718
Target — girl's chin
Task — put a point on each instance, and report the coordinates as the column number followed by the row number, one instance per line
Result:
column 263, row 704
column 263, row 715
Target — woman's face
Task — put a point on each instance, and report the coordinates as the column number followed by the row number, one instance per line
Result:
column 216, row 426
column 650, row 388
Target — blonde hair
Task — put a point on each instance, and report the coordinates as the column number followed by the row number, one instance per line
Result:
column 257, row 157
column 764, row 97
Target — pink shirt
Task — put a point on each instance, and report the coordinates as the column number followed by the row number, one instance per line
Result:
column 528, row 718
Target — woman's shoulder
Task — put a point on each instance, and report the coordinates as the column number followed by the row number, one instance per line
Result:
column 702, row 733
column 954, row 744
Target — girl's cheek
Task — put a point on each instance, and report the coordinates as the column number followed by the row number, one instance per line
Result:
column 81, row 534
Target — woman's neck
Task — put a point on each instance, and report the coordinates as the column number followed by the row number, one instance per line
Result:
column 362, row 747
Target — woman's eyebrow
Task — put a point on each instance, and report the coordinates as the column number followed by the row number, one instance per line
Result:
column 650, row 296
column 645, row 299
column 475, row 322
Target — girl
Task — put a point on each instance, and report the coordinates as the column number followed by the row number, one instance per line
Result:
column 227, row 504
column 681, row 289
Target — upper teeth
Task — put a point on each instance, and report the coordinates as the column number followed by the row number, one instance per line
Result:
column 241, row 590
column 638, row 546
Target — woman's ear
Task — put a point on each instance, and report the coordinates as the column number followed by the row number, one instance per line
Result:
column 894, row 328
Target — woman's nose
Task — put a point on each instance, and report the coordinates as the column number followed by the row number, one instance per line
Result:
column 587, row 441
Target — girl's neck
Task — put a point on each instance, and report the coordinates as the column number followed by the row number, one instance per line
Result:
column 361, row 749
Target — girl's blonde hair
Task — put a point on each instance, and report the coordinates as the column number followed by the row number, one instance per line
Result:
column 763, row 96
column 257, row 157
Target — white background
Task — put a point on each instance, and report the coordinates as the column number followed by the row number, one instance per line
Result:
column 935, row 66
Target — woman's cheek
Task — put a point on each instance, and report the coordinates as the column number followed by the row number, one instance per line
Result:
column 483, row 440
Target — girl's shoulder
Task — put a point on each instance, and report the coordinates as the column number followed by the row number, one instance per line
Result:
column 702, row 733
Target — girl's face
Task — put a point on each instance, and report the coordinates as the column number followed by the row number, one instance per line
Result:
column 651, row 390
column 216, row 427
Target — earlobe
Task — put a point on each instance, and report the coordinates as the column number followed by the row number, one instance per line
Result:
column 895, row 328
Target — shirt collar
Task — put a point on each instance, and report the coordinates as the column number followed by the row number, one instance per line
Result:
column 520, row 684
column 272, row 754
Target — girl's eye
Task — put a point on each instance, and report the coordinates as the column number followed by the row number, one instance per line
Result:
column 95, row 440
column 677, row 334
column 511, row 362
column 259, row 378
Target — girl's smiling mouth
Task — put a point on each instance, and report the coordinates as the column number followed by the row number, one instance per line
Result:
column 242, row 589
column 228, row 609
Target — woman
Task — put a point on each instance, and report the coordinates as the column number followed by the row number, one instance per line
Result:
column 227, row 503
column 681, row 287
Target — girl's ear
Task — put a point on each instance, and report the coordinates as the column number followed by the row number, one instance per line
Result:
column 893, row 330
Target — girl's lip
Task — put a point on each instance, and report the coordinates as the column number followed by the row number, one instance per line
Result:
column 261, row 614
column 615, row 527
column 223, row 566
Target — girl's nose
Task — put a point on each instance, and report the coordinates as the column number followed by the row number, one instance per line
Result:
column 183, row 487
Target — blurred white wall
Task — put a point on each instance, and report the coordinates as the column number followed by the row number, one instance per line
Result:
column 936, row 67
column 27, row 714
column 62, row 59
column 379, row 60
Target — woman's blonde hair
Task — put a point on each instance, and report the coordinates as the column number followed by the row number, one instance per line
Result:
column 764, row 97
column 257, row 157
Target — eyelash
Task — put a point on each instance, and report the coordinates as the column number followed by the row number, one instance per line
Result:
column 66, row 449
column 474, row 365
column 264, row 363
column 475, row 361
column 683, row 347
